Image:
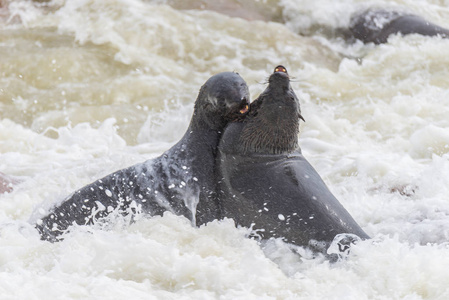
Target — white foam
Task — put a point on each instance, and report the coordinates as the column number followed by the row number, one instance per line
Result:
column 375, row 130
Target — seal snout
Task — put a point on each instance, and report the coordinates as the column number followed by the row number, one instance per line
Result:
column 237, row 106
column 279, row 78
column 280, row 68
column 280, row 72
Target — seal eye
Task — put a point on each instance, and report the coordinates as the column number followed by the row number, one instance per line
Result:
column 280, row 69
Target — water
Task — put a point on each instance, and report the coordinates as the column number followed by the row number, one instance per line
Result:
column 88, row 87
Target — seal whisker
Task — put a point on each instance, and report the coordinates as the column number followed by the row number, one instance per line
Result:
column 296, row 79
column 263, row 82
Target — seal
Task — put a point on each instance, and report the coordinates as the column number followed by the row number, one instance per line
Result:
column 181, row 180
column 376, row 25
column 265, row 183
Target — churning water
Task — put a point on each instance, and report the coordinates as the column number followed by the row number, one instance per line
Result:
column 91, row 86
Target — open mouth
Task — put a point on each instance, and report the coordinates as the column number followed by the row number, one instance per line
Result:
column 244, row 109
column 280, row 69
column 240, row 110
column 244, row 106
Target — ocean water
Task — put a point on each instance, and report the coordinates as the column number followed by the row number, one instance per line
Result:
column 89, row 86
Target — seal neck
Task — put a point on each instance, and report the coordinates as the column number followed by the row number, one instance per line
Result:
column 204, row 120
column 202, row 136
column 204, row 129
column 278, row 135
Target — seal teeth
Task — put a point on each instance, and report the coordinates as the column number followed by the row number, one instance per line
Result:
column 244, row 109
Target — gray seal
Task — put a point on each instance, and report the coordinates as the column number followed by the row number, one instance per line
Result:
column 376, row 25
column 181, row 180
column 265, row 183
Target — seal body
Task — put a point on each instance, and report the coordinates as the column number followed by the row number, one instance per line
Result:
column 267, row 184
column 181, row 180
column 376, row 25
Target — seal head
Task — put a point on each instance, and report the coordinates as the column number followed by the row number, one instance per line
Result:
column 224, row 97
column 272, row 125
